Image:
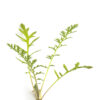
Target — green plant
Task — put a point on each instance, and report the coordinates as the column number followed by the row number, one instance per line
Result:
column 31, row 63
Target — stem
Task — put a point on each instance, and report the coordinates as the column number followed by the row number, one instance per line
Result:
column 28, row 65
column 49, row 88
column 49, row 67
column 54, row 83
column 58, row 80
column 37, row 92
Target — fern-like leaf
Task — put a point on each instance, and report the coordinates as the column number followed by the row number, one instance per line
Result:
column 34, row 52
column 21, row 60
column 56, row 74
column 65, row 67
column 33, row 41
column 21, row 38
column 32, row 34
column 33, row 62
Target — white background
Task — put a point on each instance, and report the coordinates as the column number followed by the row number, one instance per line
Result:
column 48, row 18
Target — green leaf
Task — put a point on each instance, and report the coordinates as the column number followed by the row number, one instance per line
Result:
column 63, row 45
column 37, row 73
column 57, row 55
column 21, row 31
column 32, row 34
column 52, row 65
column 60, row 74
column 27, row 58
column 21, row 38
column 21, row 60
column 40, row 79
column 22, row 26
column 70, row 28
column 24, row 30
column 56, row 74
column 27, row 29
column 39, row 66
column 53, row 48
column 33, row 62
column 33, row 41
column 77, row 65
column 88, row 67
column 65, row 67
column 16, row 48
column 49, row 56
column 34, row 52
column 63, row 34
column 58, row 40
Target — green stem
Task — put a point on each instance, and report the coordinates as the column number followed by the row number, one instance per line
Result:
column 28, row 65
column 54, row 83
column 59, row 79
column 49, row 67
column 37, row 94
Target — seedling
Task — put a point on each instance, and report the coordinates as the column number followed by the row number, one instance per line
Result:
column 26, row 58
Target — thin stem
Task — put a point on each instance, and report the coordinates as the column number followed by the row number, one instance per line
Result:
column 49, row 67
column 28, row 65
column 33, row 72
column 54, row 83
column 59, row 79
column 49, row 88
column 31, row 79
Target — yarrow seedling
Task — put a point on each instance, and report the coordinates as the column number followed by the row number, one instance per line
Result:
column 26, row 58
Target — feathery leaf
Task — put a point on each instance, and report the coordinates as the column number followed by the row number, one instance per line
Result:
column 34, row 52
column 21, row 38
column 56, row 74
column 33, row 41
column 32, row 34
column 21, row 60
column 65, row 67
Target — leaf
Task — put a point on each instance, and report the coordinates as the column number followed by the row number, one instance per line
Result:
column 21, row 31
column 52, row 48
column 58, row 40
column 62, row 39
column 77, row 65
column 52, row 65
column 63, row 45
column 21, row 38
column 27, row 58
column 65, row 67
column 33, row 41
column 27, row 29
column 63, row 34
column 40, row 79
column 24, row 30
column 56, row 74
column 21, row 60
column 70, row 28
column 32, row 34
column 39, row 73
column 22, row 26
column 60, row 74
column 33, row 61
column 35, row 52
column 88, row 67
column 39, row 66
column 56, row 46
column 57, row 55
column 49, row 57
column 16, row 48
